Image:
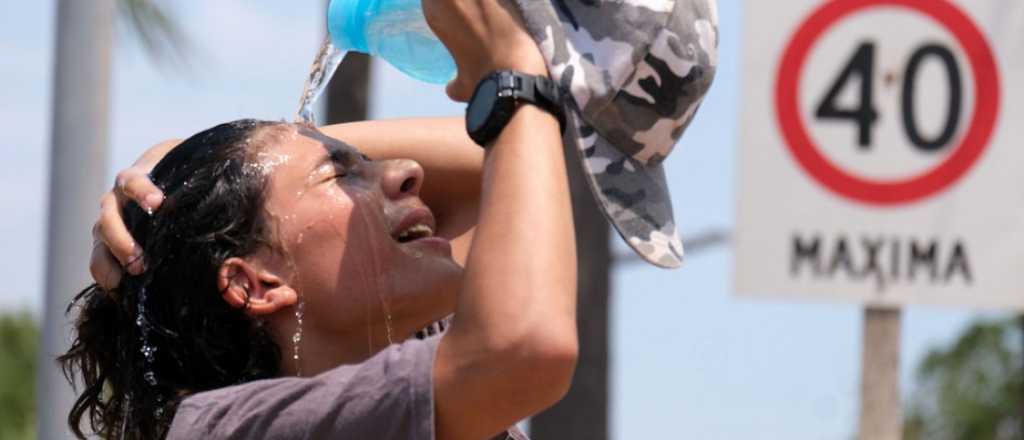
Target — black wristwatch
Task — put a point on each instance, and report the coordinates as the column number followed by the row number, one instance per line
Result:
column 496, row 97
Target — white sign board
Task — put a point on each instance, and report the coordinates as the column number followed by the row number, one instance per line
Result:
column 882, row 152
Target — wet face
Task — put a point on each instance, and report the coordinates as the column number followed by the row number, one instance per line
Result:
column 353, row 237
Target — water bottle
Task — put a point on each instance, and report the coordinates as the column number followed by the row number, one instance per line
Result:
column 394, row 30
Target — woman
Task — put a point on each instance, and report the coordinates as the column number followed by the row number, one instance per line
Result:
column 280, row 265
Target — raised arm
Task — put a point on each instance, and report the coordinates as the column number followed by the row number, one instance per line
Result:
column 512, row 346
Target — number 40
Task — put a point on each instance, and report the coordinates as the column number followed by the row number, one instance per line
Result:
column 862, row 65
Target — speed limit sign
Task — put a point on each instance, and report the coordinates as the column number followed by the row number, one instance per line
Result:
column 882, row 155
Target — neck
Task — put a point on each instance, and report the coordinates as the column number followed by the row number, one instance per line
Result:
column 319, row 351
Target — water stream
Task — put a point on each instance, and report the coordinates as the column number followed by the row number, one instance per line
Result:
column 326, row 62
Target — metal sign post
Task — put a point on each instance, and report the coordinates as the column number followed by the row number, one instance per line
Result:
column 881, row 413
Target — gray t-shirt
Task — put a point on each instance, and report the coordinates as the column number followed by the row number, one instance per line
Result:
column 389, row 396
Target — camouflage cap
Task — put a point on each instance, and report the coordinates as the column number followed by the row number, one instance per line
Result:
column 634, row 73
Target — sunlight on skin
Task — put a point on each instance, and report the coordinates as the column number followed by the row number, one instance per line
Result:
column 332, row 215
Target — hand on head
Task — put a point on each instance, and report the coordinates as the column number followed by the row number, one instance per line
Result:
column 114, row 250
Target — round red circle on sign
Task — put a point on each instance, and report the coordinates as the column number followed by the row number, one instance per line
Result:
column 888, row 192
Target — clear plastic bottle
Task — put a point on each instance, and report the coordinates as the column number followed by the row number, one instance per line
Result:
column 394, row 30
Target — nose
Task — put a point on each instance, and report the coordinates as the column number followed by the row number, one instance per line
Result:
column 401, row 178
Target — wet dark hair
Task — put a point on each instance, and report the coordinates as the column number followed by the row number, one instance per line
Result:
column 213, row 210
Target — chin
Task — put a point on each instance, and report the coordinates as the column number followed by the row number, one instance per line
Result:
column 429, row 287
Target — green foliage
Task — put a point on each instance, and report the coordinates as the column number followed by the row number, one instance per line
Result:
column 19, row 344
column 973, row 389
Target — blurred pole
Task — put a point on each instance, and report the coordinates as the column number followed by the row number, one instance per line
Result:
column 1020, row 323
column 348, row 93
column 78, row 172
column 881, row 413
column 583, row 413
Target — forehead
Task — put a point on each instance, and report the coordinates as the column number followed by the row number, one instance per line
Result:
column 300, row 144
column 312, row 134
column 293, row 156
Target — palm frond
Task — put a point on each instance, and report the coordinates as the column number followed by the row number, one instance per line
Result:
column 157, row 31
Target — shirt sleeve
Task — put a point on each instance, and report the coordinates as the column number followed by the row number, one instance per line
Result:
column 389, row 396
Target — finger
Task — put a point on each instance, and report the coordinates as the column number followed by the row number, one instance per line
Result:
column 134, row 183
column 449, row 90
column 111, row 231
column 457, row 90
column 104, row 268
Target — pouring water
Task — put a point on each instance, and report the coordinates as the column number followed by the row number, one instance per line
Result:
column 326, row 62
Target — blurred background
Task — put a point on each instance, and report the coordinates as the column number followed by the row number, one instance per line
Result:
column 668, row 354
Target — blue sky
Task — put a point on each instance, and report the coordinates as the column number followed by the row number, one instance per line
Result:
column 690, row 359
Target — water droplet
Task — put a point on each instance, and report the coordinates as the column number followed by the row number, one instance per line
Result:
column 297, row 337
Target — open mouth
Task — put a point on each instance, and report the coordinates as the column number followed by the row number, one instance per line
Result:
column 414, row 232
column 415, row 225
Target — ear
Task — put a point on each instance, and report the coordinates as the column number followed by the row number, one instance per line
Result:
column 240, row 281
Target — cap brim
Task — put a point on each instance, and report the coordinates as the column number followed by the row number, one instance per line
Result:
column 633, row 196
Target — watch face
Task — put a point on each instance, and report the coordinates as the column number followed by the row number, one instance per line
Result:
column 481, row 105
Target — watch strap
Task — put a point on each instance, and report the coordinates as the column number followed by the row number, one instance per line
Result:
column 536, row 90
column 514, row 88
